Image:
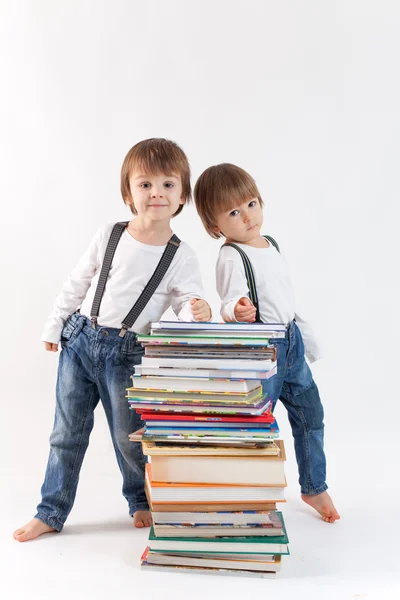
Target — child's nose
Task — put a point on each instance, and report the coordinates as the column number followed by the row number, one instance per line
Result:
column 155, row 193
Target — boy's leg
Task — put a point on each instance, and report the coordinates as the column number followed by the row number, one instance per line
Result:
column 76, row 399
column 120, row 359
column 301, row 398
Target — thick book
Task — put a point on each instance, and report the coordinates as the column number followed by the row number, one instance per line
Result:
column 268, row 544
column 208, row 493
column 210, row 363
column 270, row 562
column 205, row 373
column 190, row 384
column 239, row 470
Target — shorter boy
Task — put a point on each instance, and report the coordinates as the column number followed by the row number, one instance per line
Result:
column 230, row 205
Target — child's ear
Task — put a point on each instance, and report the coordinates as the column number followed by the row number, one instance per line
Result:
column 216, row 229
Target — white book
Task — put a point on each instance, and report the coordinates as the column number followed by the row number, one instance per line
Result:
column 239, row 517
column 210, row 363
column 214, row 326
column 205, row 373
column 207, row 571
column 192, row 384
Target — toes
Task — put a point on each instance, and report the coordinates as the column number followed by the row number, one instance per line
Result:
column 18, row 532
column 138, row 524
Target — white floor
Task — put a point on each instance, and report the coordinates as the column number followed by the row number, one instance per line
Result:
column 98, row 553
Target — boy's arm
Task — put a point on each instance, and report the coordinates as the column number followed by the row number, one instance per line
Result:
column 232, row 286
column 188, row 288
column 73, row 291
column 312, row 345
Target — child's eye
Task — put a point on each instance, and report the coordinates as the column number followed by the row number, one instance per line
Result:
column 234, row 213
column 145, row 185
column 252, row 203
column 169, row 185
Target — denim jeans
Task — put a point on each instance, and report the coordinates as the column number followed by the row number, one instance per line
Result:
column 95, row 364
column 294, row 386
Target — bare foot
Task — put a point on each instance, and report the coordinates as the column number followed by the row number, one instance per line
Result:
column 142, row 518
column 32, row 530
column 324, row 505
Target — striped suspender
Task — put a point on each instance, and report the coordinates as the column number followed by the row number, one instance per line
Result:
column 115, row 236
column 152, row 285
column 248, row 270
column 150, row 288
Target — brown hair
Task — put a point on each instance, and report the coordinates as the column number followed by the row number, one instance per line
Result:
column 220, row 188
column 155, row 156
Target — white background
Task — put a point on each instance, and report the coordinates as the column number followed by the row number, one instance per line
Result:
column 305, row 95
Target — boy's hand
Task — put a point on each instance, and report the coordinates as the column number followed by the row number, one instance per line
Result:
column 200, row 309
column 50, row 347
column 245, row 311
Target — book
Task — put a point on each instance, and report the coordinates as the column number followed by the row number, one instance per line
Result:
column 166, row 419
column 194, row 507
column 205, row 373
column 196, row 397
column 196, row 340
column 208, row 493
column 206, row 570
column 235, row 364
column 214, row 326
column 267, row 544
column 243, row 517
column 190, row 384
column 212, row 531
column 203, row 438
column 219, row 525
column 159, row 449
column 221, row 561
column 236, row 409
column 239, row 470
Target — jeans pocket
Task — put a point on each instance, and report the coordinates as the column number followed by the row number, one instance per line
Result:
column 71, row 328
column 132, row 356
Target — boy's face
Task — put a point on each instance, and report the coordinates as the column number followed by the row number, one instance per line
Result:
column 241, row 223
column 156, row 197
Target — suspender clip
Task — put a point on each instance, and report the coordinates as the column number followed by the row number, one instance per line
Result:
column 123, row 331
column 173, row 243
column 94, row 322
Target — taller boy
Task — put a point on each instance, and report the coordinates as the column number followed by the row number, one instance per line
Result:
column 230, row 205
column 99, row 347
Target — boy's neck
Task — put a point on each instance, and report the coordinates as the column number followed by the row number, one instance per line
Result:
column 257, row 242
column 154, row 233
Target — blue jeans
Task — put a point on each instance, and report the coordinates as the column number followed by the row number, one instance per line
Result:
column 294, row 386
column 94, row 364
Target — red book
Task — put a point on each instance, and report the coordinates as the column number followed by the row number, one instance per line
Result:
column 267, row 417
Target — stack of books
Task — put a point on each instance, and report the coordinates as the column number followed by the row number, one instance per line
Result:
column 216, row 470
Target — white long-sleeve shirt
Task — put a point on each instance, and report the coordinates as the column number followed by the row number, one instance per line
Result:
column 273, row 285
column 133, row 265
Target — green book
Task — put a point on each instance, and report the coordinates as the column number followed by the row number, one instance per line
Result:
column 268, row 544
